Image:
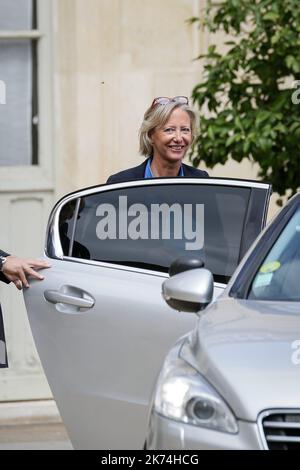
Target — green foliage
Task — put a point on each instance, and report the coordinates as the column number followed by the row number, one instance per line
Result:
column 246, row 95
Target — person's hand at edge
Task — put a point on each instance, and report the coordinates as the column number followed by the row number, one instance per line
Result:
column 18, row 269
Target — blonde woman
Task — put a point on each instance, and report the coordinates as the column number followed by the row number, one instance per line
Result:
column 166, row 134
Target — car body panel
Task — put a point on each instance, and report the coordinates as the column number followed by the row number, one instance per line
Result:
column 243, row 345
column 102, row 361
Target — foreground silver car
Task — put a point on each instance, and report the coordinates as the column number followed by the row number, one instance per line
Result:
column 234, row 381
column 100, row 325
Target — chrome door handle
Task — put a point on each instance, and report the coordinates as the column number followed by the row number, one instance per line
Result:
column 55, row 297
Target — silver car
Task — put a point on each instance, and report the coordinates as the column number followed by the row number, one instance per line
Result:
column 101, row 326
column 234, row 381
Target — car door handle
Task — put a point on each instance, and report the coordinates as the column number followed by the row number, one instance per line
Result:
column 55, row 297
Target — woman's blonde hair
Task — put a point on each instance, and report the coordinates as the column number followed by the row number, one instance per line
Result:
column 157, row 116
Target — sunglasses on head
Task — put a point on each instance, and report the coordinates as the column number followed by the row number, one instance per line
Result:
column 163, row 100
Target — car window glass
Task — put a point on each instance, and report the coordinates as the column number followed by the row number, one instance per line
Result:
column 278, row 275
column 151, row 226
column 66, row 222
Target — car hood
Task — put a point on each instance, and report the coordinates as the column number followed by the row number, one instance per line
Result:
column 250, row 352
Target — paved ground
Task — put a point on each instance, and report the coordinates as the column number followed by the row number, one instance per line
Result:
column 32, row 426
column 34, row 437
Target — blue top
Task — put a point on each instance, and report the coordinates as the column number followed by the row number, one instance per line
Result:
column 148, row 173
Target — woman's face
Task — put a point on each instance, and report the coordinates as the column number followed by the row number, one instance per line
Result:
column 171, row 142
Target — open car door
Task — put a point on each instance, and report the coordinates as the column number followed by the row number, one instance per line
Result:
column 98, row 319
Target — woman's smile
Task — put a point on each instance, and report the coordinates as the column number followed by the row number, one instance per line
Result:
column 171, row 142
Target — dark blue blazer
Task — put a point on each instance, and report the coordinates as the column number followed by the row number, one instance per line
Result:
column 3, row 355
column 137, row 173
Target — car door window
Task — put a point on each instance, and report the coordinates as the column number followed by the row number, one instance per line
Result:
column 150, row 226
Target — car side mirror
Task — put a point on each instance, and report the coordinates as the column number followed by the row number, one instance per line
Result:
column 189, row 291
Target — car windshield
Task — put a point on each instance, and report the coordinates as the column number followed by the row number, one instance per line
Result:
column 278, row 276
